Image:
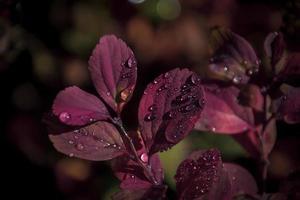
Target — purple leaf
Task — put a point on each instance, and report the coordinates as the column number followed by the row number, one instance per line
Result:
column 154, row 192
column 132, row 175
column 234, row 58
column 98, row 141
column 274, row 47
column 169, row 108
column 288, row 105
column 113, row 69
column 242, row 182
column 197, row 175
column 222, row 112
column 251, row 96
column 74, row 106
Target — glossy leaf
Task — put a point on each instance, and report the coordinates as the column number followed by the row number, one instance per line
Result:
column 74, row 106
column 154, row 192
column 197, row 174
column 98, row 141
column 242, row 182
column 169, row 108
column 133, row 176
column 113, row 69
column 234, row 59
column 222, row 112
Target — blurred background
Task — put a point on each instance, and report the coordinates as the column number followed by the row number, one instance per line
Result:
column 45, row 45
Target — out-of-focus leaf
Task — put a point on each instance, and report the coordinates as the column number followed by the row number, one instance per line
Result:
column 155, row 192
column 222, row 113
column 288, row 105
column 291, row 72
column 234, row 59
column 251, row 96
column 74, row 106
column 274, row 49
column 113, row 69
column 98, row 141
column 169, row 108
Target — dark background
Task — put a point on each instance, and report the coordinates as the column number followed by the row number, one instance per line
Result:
column 45, row 45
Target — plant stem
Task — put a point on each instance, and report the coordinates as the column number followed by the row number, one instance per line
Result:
column 147, row 168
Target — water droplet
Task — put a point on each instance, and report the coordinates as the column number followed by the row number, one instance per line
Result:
column 236, row 79
column 194, row 167
column 125, row 94
column 145, row 93
column 131, row 62
column 155, row 81
column 114, row 146
column 132, row 176
column 233, row 178
column 108, row 94
column 71, row 155
column 161, row 88
column 249, row 72
column 106, row 145
column 71, row 142
column 64, row 117
column 79, row 147
column 202, row 191
column 149, row 117
column 166, row 75
column 194, row 79
column 170, row 115
column 213, row 129
column 91, row 119
column 152, row 107
column 225, row 68
column 197, row 188
column 244, row 62
column 144, row 157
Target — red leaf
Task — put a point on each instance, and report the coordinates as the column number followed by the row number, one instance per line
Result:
column 222, row 112
column 234, row 58
column 242, row 182
column 132, row 175
column 169, row 108
column 155, row 192
column 113, row 70
column 74, row 106
column 200, row 175
column 98, row 141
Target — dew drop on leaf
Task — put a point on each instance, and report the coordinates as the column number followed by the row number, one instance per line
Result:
column 71, row 142
column 79, row 147
column 144, row 157
column 64, row 117
column 149, row 117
